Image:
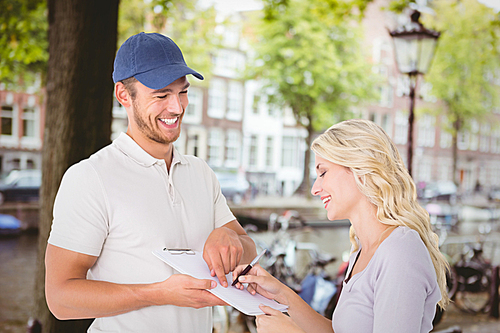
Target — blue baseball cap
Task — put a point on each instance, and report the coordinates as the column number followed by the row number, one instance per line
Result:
column 153, row 59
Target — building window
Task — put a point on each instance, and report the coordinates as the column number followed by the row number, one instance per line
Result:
column 269, row 151
column 193, row 144
column 29, row 123
column 386, row 124
column 215, row 144
column 425, row 169
column 386, row 96
column 7, row 120
column 16, row 163
column 30, row 164
column 252, row 157
column 288, row 158
column 445, row 166
column 474, row 135
column 482, row 175
column 445, row 137
column 255, row 104
column 231, row 36
column 463, row 140
column 193, row 113
column 495, row 173
column 228, row 62
column 232, row 147
column 484, row 139
column 235, row 101
column 426, row 131
column 401, row 128
column 217, row 98
column 372, row 116
column 273, row 110
column 403, row 86
column 495, row 141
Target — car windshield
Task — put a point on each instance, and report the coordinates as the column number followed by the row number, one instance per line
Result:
column 23, row 178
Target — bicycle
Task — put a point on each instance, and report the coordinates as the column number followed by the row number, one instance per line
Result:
column 315, row 286
column 473, row 278
column 470, row 280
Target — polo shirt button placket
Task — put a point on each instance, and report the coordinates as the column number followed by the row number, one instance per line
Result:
column 165, row 173
column 171, row 191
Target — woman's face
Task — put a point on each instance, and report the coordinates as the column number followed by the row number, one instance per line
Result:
column 337, row 189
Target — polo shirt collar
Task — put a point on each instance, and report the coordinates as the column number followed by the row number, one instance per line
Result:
column 129, row 147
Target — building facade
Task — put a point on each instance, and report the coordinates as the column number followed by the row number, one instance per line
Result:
column 21, row 130
column 230, row 125
column 479, row 154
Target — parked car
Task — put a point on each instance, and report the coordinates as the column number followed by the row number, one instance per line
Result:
column 494, row 194
column 440, row 190
column 233, row 186
column 21, row 185
column 9, row 225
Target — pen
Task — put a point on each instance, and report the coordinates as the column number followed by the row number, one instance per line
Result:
column 249, row 267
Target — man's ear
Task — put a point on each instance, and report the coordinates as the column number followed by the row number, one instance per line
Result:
column 122, row 95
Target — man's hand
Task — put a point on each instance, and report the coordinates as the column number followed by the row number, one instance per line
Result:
column 186, row 291
column 222, row 252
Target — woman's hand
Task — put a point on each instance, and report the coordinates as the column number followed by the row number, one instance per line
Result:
column 260, row 281
column 275, row 321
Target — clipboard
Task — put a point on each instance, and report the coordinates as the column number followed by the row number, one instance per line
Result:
column 187, row 261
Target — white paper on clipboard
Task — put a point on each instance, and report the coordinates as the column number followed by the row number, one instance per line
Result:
column 194, row 265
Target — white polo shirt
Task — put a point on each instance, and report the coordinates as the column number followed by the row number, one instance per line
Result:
column 120, row 205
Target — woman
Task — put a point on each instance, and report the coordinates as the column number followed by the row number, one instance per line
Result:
column 396, row 274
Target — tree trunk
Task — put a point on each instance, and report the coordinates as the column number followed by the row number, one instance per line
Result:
column 454, row 146
column 82, row 45
column 305, row 186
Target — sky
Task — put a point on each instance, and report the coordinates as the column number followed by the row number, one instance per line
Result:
column 495, row 4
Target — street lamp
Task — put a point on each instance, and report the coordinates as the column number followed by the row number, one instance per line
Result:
column 414, row 46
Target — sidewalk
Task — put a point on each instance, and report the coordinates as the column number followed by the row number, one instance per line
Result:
column 469, row 323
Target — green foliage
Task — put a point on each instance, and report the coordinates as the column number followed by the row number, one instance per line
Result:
column 398, row 6
column 195, row 33
column 310, row 64
column 24, row 39
column 192, row 29
column 23, row 42
column 333, row 10
column 466, row 61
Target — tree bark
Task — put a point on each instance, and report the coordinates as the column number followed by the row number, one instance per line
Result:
column 305, row 186
column 457, row 125
column 82, row 45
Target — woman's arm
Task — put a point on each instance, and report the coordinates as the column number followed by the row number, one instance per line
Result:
column 305, row 318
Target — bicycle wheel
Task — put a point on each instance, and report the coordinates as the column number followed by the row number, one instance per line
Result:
column 250, row 323
column 473, row 293
column 451, row 283
column 220, row 319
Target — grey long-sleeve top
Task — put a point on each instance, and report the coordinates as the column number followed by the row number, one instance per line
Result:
column 396, row 292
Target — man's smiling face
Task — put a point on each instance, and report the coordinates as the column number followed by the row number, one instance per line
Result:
column 157, row 114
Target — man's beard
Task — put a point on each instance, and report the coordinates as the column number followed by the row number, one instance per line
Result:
column 148, row 130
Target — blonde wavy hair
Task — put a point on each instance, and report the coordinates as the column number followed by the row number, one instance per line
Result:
column 380, row 174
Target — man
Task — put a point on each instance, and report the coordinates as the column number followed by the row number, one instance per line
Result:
column 137, row 195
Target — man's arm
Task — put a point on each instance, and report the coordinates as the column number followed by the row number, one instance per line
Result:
column 227, row 247
column 71, row 296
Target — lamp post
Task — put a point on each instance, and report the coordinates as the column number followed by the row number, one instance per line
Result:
column 414, row 47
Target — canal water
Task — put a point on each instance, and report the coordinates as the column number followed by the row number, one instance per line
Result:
column 18, row 261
